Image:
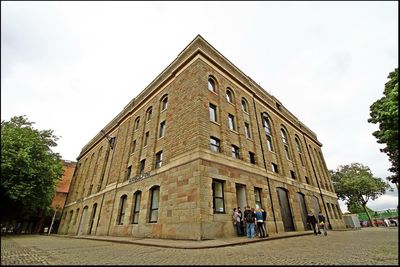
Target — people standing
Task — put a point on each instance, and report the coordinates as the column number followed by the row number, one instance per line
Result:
column 240, row 215
column 322, row 223
column 236, row 222
column 312, row 221
column 260, row 223
column 264, row 213
column 250, row 221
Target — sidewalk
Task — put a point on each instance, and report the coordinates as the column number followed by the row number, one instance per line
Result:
column 189, row 244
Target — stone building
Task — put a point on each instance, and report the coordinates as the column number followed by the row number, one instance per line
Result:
column 199, row 140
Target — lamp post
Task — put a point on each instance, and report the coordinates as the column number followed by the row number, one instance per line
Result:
column 52, row 220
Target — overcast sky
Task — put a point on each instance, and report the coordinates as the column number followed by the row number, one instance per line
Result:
column 73, row 66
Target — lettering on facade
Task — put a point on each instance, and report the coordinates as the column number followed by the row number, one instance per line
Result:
column 139, row 177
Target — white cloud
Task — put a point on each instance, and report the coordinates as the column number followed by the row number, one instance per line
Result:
column 73, row 66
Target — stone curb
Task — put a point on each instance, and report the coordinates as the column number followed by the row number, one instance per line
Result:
column 194, row 245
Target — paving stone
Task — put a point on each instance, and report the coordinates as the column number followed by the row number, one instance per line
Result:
column 371, row 246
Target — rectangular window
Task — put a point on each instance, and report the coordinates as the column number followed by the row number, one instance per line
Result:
column 231, row 122
column 136, row 208
column 133, row 147
column 293, row 174
column 275, row 167
column 252, row 158
column 122, row 210
column 215, row 144
column 213, row 113
column 159, row 159
column 146, row 138
column 235, row 152
column 155, row 197
column 218, row 196
column 142, row 165
column 128, row 172
column 247, row 130
column 257, row 197
column 162, row 129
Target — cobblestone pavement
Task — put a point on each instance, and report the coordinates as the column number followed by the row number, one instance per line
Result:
column 371, row 246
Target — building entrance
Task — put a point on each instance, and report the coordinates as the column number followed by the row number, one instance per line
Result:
column 241, row 196
column 285, row 210
column 303, row 210
column 83, row 219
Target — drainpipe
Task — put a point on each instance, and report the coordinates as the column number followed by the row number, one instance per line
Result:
column 319, row 187
column 111, row 143
column 265, row 165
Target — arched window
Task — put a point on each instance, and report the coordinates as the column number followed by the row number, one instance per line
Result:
column 229, row 95
column 121, row 213
column 154, row 203
column 299, row 151
column 245, row 106
column 211, row 85
column 267, row 130
column 164, row 102
column 137, row 122
column 148, row 113
column 285, row 143
column 136, row 207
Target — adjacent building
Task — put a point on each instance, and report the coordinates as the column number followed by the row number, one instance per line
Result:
column 199, row 140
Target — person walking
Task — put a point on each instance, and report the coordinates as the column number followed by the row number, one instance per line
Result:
column 322, row 223
column 312, row 221
column 250, row 222
column 260, row 223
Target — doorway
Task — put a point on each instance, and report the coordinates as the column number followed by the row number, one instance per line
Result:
column 286, row 213
column 92, row 218
column 83, row 219
column 303, row 210
column 241, row 196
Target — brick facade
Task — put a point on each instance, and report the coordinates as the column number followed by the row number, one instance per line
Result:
column 176, row 196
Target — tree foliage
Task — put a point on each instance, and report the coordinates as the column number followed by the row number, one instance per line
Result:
column 356, row 185
column 29, row 169
column 385, row 112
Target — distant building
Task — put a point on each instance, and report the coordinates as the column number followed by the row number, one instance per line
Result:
column 63, row 185
column 199, row 140
column 62, row 189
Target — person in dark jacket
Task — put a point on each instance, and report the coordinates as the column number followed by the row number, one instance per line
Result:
column 312, row 221
column 322, row 223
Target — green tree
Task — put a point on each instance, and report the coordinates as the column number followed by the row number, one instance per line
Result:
column 29, row 169
column 356, row 185
column 357, row 208
column 385, row 112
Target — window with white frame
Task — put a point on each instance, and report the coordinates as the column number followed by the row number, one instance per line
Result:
column 215, row 144
column 231, row 122
column 159, row 159
column 268, row 134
